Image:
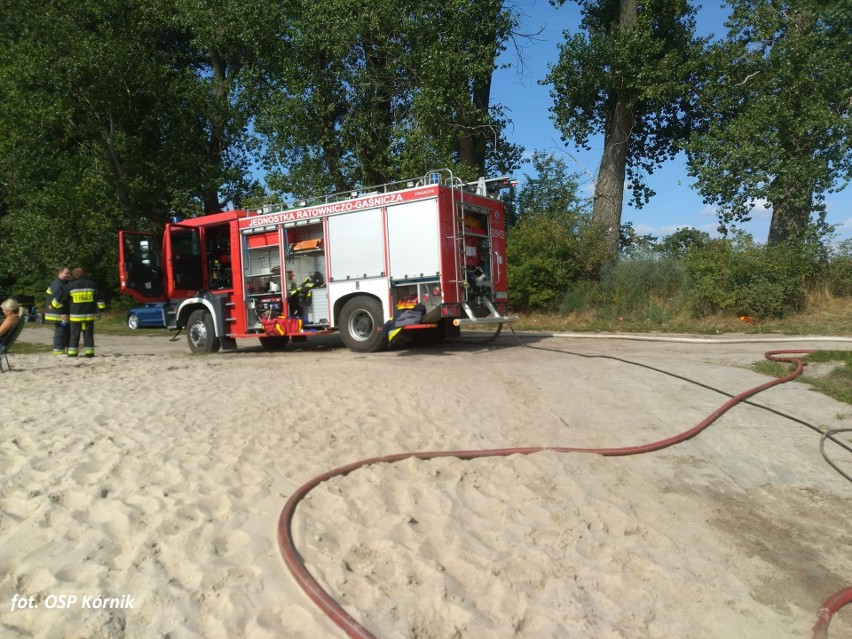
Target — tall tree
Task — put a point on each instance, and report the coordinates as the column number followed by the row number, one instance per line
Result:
column 776, row 113
column 116, row 113
column 395, row 89
column 230, row 49
column 628, row 77
column 455, row 45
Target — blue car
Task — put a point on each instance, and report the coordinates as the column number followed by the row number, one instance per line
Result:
column 146, row 316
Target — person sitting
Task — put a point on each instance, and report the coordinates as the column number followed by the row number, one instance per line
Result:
column 12, row 312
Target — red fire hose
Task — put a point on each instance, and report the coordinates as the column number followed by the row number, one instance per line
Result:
column 831, row 605
column 355, row 630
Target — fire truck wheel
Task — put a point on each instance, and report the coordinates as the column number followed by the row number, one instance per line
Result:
column 274, row 343
column 200, row 334
column 360, row 320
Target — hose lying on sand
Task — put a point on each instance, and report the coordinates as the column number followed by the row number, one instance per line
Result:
column 355, row 630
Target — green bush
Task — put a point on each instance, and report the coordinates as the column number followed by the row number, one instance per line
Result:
column 582, row 295
column 735, row 276
column 645, row 288
column 637, row 284
column 553, row 241
column 749, row 279
column 838, row 275
column 547, row 253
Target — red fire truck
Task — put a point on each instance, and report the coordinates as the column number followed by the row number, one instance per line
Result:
column 349, row 262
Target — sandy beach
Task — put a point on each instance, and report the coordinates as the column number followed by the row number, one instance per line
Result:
column 141, row 492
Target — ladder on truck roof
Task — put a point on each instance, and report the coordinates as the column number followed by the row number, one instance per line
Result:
column 485, row 187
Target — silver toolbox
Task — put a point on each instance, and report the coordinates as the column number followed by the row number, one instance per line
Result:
column 317, row 312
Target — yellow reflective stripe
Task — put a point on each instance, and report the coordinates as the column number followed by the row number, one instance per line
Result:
column 83, row 295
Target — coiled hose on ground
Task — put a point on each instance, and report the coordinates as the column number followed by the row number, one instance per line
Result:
column 353, row 629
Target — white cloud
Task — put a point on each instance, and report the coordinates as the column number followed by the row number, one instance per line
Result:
column 760, row 209
column 757, row 210
column 645, row 229
column 844, row 227
column 668, row 229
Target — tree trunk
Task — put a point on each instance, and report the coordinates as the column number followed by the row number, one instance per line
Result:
column 790, row 193
column 472, row 144
column 474, row 135
column 791, row 213
column 211, row 174
column 376, row 159
column 467, row 146
column 118, row 172
column 609, row 189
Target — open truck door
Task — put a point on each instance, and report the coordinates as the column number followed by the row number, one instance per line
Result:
column 140, row 268
column 185, row 275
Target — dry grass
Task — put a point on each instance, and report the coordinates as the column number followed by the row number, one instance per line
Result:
column 823, row 315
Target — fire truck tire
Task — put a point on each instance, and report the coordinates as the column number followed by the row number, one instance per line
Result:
column 200, row 334
column 274, row 343
column 360, row 321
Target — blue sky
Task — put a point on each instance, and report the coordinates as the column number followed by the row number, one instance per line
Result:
column 676, row 203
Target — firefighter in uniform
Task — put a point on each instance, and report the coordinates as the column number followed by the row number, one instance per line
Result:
column 51, row 314
column 84, row 306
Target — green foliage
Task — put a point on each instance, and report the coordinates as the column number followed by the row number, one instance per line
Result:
column 645, row 288
column 773, row 114
column 631, row 244
column 554, row 242
column 117, row 113
column 690, row 273
column 629, row 77
column 839, row 273
column 553, row 192
column 546, row 254
column 113, row 115
column 395, row 89
column 682, row 242
column 647, row 65
column 837, row 383
column 750, row 279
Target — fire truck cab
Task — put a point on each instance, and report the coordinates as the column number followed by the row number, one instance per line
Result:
column 423, row 256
